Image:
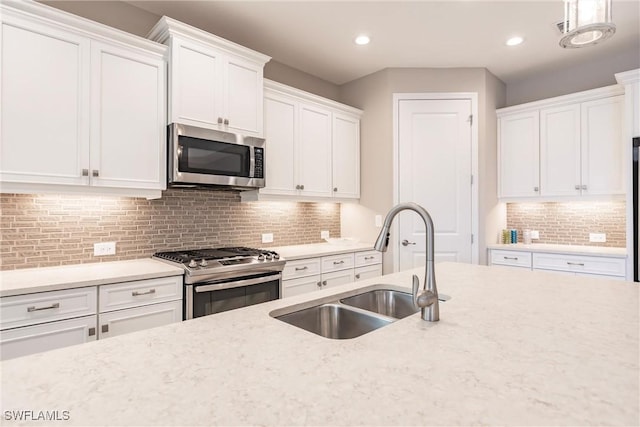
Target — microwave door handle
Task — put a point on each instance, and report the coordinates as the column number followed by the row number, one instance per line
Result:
column 237, row 283
column 252, row 162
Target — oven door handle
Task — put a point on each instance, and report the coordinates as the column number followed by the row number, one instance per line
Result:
column 237, row 283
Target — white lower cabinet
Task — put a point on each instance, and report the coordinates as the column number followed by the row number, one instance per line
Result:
column 137, row 319
column 311, row 274
column 510, row 259
column 47, row 336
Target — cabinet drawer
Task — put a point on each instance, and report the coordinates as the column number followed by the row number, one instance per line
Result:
column 367, row 272
column 368, row 258
column 580, row 264
column 301, row 268
column 511, row 258
column 300, row 286
column 140, row 292
column 49, row 336
column 337, row 262
column 139, row 318
column 32, row 309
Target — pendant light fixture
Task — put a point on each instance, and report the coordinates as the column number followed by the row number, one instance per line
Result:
column 586, row 22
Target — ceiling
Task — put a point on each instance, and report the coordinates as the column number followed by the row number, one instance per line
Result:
column 317, row 36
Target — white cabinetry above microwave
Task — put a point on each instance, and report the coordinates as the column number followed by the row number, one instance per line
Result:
column 213, row 83
column 563, row 147
column 313, row 147
column 83, row 106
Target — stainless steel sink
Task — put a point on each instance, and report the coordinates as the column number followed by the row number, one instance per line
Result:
column 335, row 321
column 384, row 301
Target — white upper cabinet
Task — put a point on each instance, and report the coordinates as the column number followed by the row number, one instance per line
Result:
column 518, row 137
column 564, row 147
column 312, row 149
column 82, row 106
column 213, row 83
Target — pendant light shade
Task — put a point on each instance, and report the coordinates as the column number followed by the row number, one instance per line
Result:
column 586, row 22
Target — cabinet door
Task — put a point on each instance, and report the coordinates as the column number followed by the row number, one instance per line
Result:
column 243, row 96
column 45, row 96
column 48, row 336
column 518, row 142
column 560, row 151
column 603, row 146
column 368, row 272
column 128, row 137
column 346, row 156
column 280, row 117
column 337, row 278
column 300, row 286
column 314, row 154
column 196, row 84
column 137, row 319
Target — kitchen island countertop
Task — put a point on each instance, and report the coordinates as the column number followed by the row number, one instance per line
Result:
column 563, row 249
column 511, row 348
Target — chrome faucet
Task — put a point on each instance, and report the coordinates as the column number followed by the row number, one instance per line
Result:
column 427, row 300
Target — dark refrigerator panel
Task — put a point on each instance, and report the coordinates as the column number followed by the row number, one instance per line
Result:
column 636, row 211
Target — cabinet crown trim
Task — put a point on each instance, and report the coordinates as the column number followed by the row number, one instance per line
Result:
column 628, row 77
column 587, row 95
column 79, row 25
column 275, row 87
column 167, row 27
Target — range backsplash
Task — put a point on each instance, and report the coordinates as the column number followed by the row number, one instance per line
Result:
column 571, row 222
column 49, row 230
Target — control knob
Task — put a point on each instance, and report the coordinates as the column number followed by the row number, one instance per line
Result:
column 203, row 263
column 261, row 257
column 269, row 257
column 276, row 256
column 193, row 263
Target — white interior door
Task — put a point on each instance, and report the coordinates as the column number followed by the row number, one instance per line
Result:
column 434, row 153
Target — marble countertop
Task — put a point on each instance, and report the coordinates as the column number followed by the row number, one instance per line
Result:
column 295, row 252
column 511, row 348
column 563, row 249
column 31, row 280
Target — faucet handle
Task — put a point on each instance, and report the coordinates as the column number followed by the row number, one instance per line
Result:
column 415, row 285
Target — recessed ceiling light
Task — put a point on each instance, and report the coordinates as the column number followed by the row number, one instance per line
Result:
column 362, row 40
column 514, row 41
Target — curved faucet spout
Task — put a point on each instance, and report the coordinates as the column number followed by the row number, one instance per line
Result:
column 427, row 300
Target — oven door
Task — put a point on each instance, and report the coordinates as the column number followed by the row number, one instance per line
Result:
column 202, row 299
column 210, row 157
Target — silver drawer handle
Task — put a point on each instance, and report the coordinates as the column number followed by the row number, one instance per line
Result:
column 367, row 258
column 319, row 284
column 581, row 264
column 301, row 268
column 49, row 307
column 357, row 276
column 338, row 262
column 324, row 283
column 137, row 294
column 511, row 257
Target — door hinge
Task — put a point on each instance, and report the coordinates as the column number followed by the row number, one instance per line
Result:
column 470, row 120
column 472, row 239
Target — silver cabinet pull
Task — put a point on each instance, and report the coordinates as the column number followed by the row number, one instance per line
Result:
column 219, row 120
column 105, row 329
column 96, row 173
column 536, row 189
column 405, row 242
column 319, row 284
column 338, row 262
column 584, row 187
column 49, row 307
column 324, row 283
column 367, row 258
column 301, row 268
column 226, row 121
column 92, row 331
column 302, row 187
column 335, row 189
column 581, row 264
column 85, row 172
column 357, row 276
column 298, row 187
column 515, row 258
column 137, row 294
column 578, row 187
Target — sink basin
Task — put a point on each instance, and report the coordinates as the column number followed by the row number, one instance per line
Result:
column 384, row 301
column 334, row 321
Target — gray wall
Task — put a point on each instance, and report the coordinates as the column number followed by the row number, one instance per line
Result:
column 374, row 94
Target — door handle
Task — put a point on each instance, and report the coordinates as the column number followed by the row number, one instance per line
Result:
column 405, row 242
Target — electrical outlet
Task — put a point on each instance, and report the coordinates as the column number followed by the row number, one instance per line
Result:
column 106, row 248
column 267, row 238
column 598, row 237
column 535, row 234
column 378, row 220
column 324, row 234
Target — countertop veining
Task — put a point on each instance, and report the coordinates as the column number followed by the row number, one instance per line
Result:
column 511, row 348
column 31, row 280
column 563, row 249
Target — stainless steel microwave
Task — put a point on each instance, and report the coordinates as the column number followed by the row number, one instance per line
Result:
column 207, row 157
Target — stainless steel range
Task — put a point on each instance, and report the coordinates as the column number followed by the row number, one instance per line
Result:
column 221, row 279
